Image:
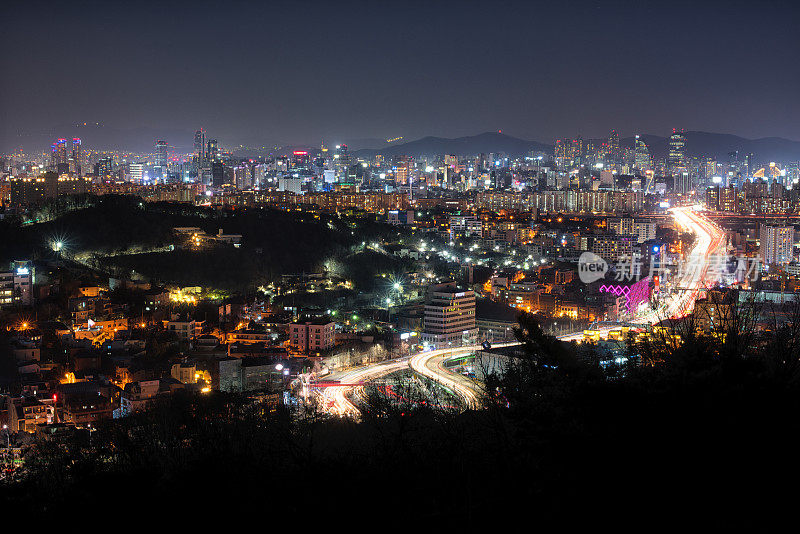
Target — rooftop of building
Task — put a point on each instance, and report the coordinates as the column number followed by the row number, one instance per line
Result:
column 315, row 321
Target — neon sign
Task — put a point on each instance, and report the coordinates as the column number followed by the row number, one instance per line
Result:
column 634, row 294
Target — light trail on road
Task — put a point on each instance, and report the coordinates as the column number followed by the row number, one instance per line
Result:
column 431, row 364
column 691, row 280
column 335, row 399
column 695, row 277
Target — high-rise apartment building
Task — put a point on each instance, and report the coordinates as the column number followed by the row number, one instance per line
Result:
column 712, row 198
column 776, row 244
column 560, row 152
column 612, row 247
column 576, row 150
column 727, row 199
column 644, row 230
column 243, row 176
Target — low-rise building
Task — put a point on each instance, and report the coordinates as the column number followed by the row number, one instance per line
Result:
column 312, row 336
column 87, row 409
column 184, row 327
column 185, row 373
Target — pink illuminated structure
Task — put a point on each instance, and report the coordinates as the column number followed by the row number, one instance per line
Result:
column 634, row 294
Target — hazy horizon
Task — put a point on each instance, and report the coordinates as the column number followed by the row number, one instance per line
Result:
column 297, row 73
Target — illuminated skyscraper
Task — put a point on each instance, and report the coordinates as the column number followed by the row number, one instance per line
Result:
column 59, row 161
column 560, row 152
column 211, row 150
column 641, row 156
column 750, row 165
column 341, row 162
column 682, row 181
column 160, row 163
column 200, row 145
column 300, row 158
column 161, row 153
column 676, row 160
column 136, row 171
column 243, row 176
column 217, row 173
column 613, row 147
column 576, row 150
column 402, row 175
column 589, row 152
column 710, row 170
column 105, row 167
column 76, row 160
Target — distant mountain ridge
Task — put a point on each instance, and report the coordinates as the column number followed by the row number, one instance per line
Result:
column 698, row 143
column 461, row 146
column 718, row 146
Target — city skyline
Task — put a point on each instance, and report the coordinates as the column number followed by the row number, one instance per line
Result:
column 278, row 74
column 473, row 262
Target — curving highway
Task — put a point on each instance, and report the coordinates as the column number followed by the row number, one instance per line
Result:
column 692, row 279
column 695, row 276
column 431, row 365
column 335, row 398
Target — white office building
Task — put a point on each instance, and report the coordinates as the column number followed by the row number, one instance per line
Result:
column 449, row 317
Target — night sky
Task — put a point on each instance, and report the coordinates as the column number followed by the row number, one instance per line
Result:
column 296, row 72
